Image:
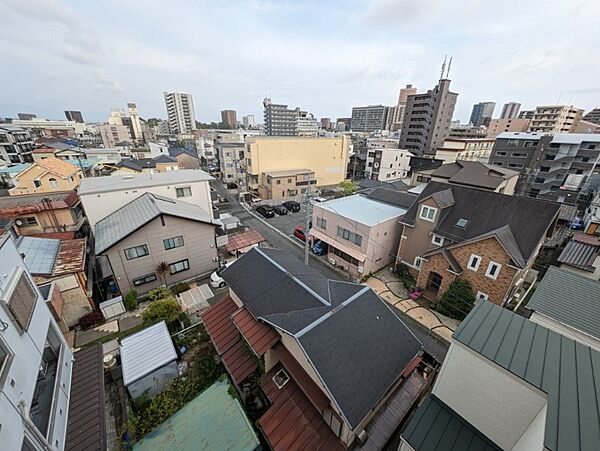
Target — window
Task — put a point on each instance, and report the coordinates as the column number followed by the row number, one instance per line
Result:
column 493, row 270
column 427, row 213
column 500, row 153
column 136, row 252
column 344, row 256
column 278, row 182
column 180, row 266
column 281, row 378
column 28, row 221
column 512, row 143
column 171, row 243
column 144, row 279
column 437, row 240
column 481, row 297
column 5, row 359
column 322, row 223
column 53, row 183
column 349, row 236
column 184, row 191
column 418, row 263
column 474, row 262
column 37, row 183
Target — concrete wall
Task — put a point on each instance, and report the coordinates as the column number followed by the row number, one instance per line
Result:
column 199, row 248
column 500, row 405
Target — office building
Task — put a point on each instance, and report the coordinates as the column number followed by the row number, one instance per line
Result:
column 497, row 126
column 180, row 112
column 135, row 124
column 427, row 119
column 398, row 110
column 306, row 124
column 26, row 116
column 74, row 116
column 342, row 124
column 482, row 113
column 229, row 118
column 114, row 134
column 249, row 121
column 279, row 119
column 510, row 110
column 326, row 123
column 555, row 119
column 370, row 118
column 16, row 145
column 592, row 116
column 526, row 114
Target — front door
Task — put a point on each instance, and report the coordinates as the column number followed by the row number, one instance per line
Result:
column 434, row 281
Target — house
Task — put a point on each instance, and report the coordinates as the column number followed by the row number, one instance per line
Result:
column 102, row 196
column 165, row 163
column 570, row 304
column 471, row 174
column 285, row 185
column 161, row 163
column 8, row 173
column 361, row 232
column 35, row 362
column 62, row 262
column 581, row 256
column 330, row 361
column 151, row 230
column 186, row 158
column 488, row 239
column 47, row 176
column 469, row 149
column 148, row 360
column 35, row 214
column 510, row 383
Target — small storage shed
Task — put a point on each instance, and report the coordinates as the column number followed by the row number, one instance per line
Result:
column 113, row 307
column 148, row 360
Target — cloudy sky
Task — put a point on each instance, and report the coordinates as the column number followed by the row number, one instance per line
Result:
column 324, row 56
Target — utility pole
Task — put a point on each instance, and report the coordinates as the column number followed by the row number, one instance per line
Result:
column 307, row 224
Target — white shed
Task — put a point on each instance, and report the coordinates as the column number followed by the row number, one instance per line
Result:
column 148, row 360
column 112, row 307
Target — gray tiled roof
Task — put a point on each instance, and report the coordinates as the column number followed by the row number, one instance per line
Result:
column 436, row 427
column 354, row 341
column 570, row 299
column 567, row 371
column 580, row 255
column 140, row 211
column 397, row 198
column 473, row 173
column 444, row 198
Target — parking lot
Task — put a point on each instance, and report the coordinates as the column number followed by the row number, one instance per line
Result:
column 286, row 223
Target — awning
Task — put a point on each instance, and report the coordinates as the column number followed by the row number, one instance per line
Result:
column 342, row 247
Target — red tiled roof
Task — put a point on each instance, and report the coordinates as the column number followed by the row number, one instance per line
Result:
column 238, row 360
column 292, row 422
column 244, row 239
column 260, row 336
column 71, row 257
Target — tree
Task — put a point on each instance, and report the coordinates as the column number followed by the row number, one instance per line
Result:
column 347, row 188
column 152, row 122
column 457, row 301
column 162, row 269
column 165, row 309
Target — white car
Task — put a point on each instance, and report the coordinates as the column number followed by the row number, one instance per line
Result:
column 318, row 200
column 216, row 281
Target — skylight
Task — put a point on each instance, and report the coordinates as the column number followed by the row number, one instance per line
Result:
column 462, row 223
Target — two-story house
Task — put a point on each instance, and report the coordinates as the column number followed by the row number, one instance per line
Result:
column 489, row 239
column 151, row 230
column 330, row 363
column 47, row 176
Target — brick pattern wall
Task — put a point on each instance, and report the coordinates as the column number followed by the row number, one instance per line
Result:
column 437, row 263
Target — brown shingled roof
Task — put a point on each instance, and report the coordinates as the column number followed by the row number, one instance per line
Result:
column 71, row 257
column 58, row 167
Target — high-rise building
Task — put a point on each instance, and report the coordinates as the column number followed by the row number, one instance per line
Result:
column 26, row 116
column 114, row 134
column 482, row 113
column 249, row 121
column 279, row 119
column 369, row 118
column 398, row 116
column 229, row 118
column 497, row 126
column 74, row 116
column 510, row 110
column 427, row 118
column 592, row 116
column 136, row 125
column 180, row 112
column 326, row 123
column 555, row 119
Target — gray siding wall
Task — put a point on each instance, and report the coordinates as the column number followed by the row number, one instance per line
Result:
column 199, row 248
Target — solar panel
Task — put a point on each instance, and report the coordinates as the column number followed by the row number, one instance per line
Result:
column 462, row 223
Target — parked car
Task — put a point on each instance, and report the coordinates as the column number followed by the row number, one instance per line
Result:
column 280, row 210
column 292, row 206
column 266, row 211
column 318, row 200
column 299, row 233
column 216, row 281
column 320, row 247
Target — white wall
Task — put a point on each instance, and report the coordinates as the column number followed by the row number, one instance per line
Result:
column 497, row 403
column 22, row 374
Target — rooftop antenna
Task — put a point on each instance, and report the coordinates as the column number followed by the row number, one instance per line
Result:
column 448, row 72
column 559, row 97
column 570, row 100
column 443, row 67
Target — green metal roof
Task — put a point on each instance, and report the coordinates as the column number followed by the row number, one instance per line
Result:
column 213, row 420
column 568, row 371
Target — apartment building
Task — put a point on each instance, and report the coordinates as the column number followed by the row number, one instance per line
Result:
column 510, row 110
column 306, row 124
column 47, row 176
column 283, row 121
column 397, row 118
column 35, row 362
column 465, row 149
column 497, row 126
column 101, row 196
column 229, row 118
column 74, row 116
column 555, row 119
column 370, row 118
column 285, row 185
column 16, row 145
column 592, row 116
column 45, row 127
column 387, row 164
column 326, row 157
column 180, row 112
column 232, row 161
column 482, row 113
column 427, row 119
column 249, row 121
column 114, row 134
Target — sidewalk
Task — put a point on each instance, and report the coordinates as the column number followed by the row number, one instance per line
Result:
column 391, row 289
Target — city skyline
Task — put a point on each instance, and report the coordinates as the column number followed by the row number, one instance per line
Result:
column 89, row 58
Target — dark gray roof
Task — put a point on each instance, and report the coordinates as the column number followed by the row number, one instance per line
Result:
column 136, row 165
column 436, row 427
column 176, row 151
column 368, row 184
column 580, row 253
column 526, row 219
column 398, row 198
column 570, row 299
column 444, row 198
column 140, row 211
column 567, row 371
column 354, row 341
column 474, row 173
column 165, row 159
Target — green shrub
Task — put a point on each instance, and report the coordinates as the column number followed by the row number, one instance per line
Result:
column 161, row 292
column 130, row 300
column 165, row 309
column 457, row 301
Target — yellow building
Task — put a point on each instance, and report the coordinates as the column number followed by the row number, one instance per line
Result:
column 47, row 176
column 325, row 157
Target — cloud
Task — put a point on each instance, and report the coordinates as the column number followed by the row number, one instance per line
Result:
column 48, row 11
column 403, row 12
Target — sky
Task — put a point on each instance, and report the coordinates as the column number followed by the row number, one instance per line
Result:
column 324, row 56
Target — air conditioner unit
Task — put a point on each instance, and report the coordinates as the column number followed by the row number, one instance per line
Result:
column 360, row 269
column 332, row 261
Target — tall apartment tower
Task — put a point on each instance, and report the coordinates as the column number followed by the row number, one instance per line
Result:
column 401, row 106
column 482, row 113
column 510, row 110
column 369, row 118
column 74, row 116
column 180, row 112
column 427, row 118
column 282, row 121
column 136, row 125
column 229, row 118
column 555, row 119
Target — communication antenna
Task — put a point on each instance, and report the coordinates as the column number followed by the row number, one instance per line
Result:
column 449, row 64
column 443, row 67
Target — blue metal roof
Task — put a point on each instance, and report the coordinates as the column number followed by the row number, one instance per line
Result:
column 40, row 253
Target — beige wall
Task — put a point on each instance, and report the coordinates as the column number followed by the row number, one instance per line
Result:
column 418, row 237
column 45, row 222
column 286, row 188
column 24, row 181
column 498, row 126
column 327, row 157
column 199, row 248
column 187, row 161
